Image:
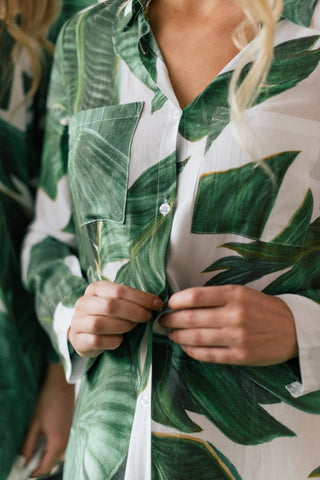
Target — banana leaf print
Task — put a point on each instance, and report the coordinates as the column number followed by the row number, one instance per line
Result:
column 296, row 249
column 184, row 384
column 144, row 66
column 147, row 228
column 197, row 459
column 103, row 419
column 208, row 114
column 254, row 193
column 315, row 473
column 260, row 258
column 102, row 200
column 14, row 145
column 299, row 11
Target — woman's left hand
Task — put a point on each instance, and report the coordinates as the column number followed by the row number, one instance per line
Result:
column 51, row 420
column 232, row 324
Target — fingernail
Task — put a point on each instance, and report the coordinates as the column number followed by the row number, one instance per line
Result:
column 157, row 303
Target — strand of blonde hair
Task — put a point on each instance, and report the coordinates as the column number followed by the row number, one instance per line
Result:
column 28, row 22
column 242, row 94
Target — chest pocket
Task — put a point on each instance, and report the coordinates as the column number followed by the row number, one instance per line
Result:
column 99, row 144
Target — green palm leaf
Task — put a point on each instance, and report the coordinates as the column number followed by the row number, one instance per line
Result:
column 202, row 388
column 111, row 161
column 101, row 428
column 209, row 113
column 197, row 459
column 299, row 11
column 254, row 193
column 315, row 473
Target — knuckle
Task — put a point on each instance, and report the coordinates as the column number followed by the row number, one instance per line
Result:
column 207, row 356
column 242, row 356
column 196, row 295
column 127, row 326
column 109, row 305
column 197, row 337
column 189, row 318
column 90, row 289
column 242, row 337
column 239, row 315
column 93, row 342
column 119, row 291
column 237, row 292
column 94, row 324
column 79, row 302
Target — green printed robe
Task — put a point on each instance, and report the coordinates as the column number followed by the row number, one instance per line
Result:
column 137, row 191
column 25, row 348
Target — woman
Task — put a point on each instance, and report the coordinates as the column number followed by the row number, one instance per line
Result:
column 26, row 358
column 183, row 274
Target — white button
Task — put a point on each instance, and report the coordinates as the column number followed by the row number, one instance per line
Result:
column 164, row 208
column 145, row 402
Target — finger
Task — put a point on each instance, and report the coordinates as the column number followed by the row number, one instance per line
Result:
column 90, row 346
column 110, row 289
column 201, row 297
column 225, row 355
column 31, row 440
column 202, row 337
column 51, row 457
column 113, row 307
column 102, row 325
column 197, row 318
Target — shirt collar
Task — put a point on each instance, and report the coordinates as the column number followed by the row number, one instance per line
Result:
column 131, row 11
column 299, row 11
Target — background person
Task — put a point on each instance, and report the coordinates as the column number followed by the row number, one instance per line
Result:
column 26, row 359
column 161, row 187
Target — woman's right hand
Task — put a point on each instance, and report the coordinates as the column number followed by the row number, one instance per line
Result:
column 105, row 312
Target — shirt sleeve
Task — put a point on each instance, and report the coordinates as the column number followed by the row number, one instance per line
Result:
column 50, row 263
column 307, row 322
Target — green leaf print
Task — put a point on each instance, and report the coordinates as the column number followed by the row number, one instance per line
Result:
column 103, row 418
column 274, row 378
column 202, row 388
column 140, row 59
column 106, row 199
column 299, row 11
column 239, row 200
column 15, row 150
column 144, row 257
column 47, row 260
column 261, row 258
column 197, row 459
column 208, row 114
column 315, row 473
column 257, row 259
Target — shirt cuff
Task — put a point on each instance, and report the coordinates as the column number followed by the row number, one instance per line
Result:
column 74, row 365
column 307, row 321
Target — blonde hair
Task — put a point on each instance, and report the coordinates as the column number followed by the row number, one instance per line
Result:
column 266, row 14
column 28, row 22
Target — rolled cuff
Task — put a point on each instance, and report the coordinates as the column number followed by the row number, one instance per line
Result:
column 74, row 365
column 307, row 321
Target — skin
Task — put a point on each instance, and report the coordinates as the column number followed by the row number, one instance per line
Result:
column 51, row 420
column 105, row 313
column 225, row 324
column 196, row 41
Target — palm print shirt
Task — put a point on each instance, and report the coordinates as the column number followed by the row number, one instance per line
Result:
column 25, row 349
column 137, row 191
